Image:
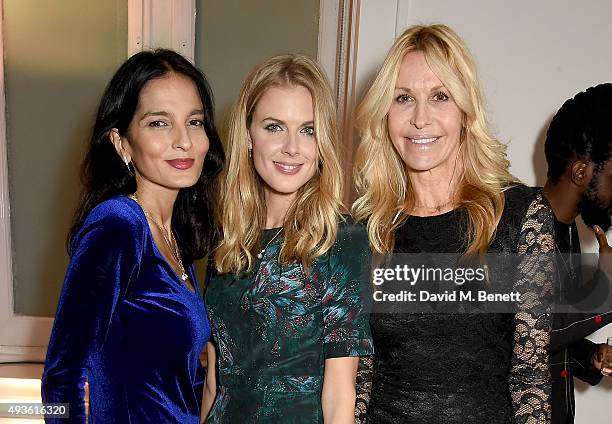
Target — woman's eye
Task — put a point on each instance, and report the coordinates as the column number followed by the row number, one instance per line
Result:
column 156, row 124
column 308, row 130
column 402, row 98
column 441, row 96
column 196, row 122
column 273, row 128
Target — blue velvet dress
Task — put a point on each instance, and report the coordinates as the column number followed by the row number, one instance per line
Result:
column 126, row 324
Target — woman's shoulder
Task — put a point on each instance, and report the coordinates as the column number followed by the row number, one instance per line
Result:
column 118, row 214
column 521, row 200
column 519, row 194
column 525, row 207
column 120, row 209
column 117, row 222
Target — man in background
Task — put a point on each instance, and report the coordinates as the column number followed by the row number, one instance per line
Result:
column 579, row 155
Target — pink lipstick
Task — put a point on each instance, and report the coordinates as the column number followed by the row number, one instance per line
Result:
column 288, row 168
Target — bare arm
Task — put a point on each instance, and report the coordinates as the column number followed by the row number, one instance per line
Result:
column 346, row 318
column 210, row 389
column 338, row 397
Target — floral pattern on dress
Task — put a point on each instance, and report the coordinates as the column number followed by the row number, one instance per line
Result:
column 274, row 328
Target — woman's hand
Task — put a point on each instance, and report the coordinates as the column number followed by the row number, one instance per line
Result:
column 210, row 388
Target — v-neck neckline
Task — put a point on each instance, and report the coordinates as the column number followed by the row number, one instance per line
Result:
column 157, row 252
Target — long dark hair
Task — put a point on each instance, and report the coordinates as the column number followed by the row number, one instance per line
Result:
column 103, row 173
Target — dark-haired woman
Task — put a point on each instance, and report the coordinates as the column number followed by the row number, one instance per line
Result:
column 131, row 322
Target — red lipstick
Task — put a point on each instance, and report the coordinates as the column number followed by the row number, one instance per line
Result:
column 181, row 163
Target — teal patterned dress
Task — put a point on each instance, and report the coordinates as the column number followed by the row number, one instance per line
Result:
column 273, row 329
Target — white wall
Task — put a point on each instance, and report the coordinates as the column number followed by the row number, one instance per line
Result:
column 532, row 56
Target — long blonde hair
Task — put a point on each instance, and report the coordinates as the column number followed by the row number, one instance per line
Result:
column 383, row 187
column 310, row 226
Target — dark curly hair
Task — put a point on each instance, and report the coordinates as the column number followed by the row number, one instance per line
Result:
column 581, row 130
column 103, row 173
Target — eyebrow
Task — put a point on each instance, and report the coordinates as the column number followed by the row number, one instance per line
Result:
column 166, row 114
column 436, row 88
column 280, row 121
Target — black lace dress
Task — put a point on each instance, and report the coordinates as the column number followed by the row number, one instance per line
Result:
column 464, row 368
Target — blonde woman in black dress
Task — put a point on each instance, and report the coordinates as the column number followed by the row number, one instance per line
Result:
column 431, row 178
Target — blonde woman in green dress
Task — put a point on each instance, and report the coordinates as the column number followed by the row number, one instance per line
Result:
column 287, row 294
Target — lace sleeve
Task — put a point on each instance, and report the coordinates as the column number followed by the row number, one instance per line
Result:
column 364, row 387
column 530, row 380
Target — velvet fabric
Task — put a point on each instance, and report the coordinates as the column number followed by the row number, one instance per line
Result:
column 126, row 324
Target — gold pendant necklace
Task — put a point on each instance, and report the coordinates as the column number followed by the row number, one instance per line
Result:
column 172, row 246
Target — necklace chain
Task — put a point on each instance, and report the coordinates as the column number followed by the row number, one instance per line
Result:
column 170, row 241
column 436, row 208
column 261, row 252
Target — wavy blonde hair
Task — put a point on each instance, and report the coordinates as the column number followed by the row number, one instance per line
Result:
column 310, row 226
column 383, row 187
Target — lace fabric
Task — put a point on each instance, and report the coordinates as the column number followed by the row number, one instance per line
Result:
column 477, row 368
column 364, row 387
column 529, row 380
